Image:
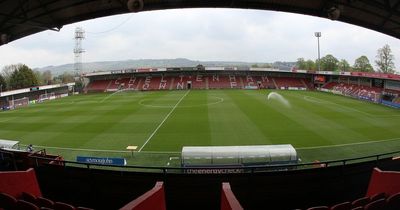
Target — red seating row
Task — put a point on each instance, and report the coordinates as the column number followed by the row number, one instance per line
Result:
column 330, row 85
column 378, row 201
column 358, row 91
column 28, row 201
column 99, row 85
column 283, row 82
column 197, row 82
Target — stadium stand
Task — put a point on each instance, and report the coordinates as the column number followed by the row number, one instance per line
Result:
column 220, row 82
column 99, row 85
column 152, row 199
column 20, row 190
column 266, row 82
column 383, row 193
column 109, row 189
column 356, row 91
column 199, row 82
column 287, row 82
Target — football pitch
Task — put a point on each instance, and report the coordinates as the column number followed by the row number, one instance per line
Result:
column 321, row 126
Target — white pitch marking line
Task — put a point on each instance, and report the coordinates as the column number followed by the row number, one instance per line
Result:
column 350, row 144
column 322, row 101
column 162, row 122
column 6, row 120
column 344, row 106
column 78, row 149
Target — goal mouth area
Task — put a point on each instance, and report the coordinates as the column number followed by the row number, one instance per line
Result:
column 46, row 96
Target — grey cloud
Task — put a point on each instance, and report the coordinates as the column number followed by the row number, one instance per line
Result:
column 202, row 34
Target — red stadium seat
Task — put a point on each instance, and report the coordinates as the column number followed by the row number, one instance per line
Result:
column 360, row 202
column 393, row 202
column 319, row 208
column 25, row 205
column 44, row 202
column 63, row 206
column 378, row 196
column 341, row 206
column 7, row 201
column 376, row 205
column 28, row 197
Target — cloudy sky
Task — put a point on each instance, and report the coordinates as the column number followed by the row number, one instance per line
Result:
column 201, row 34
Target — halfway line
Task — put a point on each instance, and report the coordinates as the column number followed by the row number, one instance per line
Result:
column 162, row 122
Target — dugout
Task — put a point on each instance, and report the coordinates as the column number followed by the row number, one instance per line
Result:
column 8, row 144
column 238, row 155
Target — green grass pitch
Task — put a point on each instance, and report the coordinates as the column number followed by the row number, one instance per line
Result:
column 320, row 126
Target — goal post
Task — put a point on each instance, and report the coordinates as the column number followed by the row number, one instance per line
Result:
column 21, row 102
column 47, row 96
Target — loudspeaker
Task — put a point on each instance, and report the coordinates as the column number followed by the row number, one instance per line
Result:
column 4, row 39
column 135, row 5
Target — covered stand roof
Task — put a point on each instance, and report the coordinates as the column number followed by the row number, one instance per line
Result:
column 215, row 155
column 8, row 144
column 23, row 18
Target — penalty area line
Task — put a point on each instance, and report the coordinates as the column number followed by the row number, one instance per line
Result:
column 162, row 122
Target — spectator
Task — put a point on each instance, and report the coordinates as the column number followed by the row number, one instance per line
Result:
column 29, row 148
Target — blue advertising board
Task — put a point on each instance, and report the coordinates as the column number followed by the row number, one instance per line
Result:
column 101, row 160
column 389, row 103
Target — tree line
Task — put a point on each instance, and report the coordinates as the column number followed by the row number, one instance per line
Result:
column 384, row 63
column 18, row 76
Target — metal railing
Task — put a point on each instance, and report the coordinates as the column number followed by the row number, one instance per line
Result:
column 38, row 161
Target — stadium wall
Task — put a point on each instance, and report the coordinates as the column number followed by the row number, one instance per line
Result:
column 153, row 199
column 387, row 182
column 106, row 189
column 14, row 182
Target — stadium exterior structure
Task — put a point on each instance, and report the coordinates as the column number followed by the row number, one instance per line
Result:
column 312, row 184
column 34, row 94
column 375, row 87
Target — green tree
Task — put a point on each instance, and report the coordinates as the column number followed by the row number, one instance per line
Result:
column 23, row 77
column 301, row 63
column 7, row 71
column 329, row 63
column 39, row 77
column 67, row 77
column 310, row 65
column 64, row 78
column 362, row 64
column 384, row 60
column 47, row 77
column 343, row 65
column 3, row 84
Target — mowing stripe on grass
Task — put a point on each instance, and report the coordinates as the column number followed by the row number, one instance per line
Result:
column 162, row 122
column 349, row 144
column 78, row 149
column 322, row 101
column 100, row 150
column 314, row 100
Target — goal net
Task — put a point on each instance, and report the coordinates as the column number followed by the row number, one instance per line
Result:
column 47, row 96
column 21, row 102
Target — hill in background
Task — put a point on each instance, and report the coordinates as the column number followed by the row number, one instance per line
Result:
column 144, row 63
